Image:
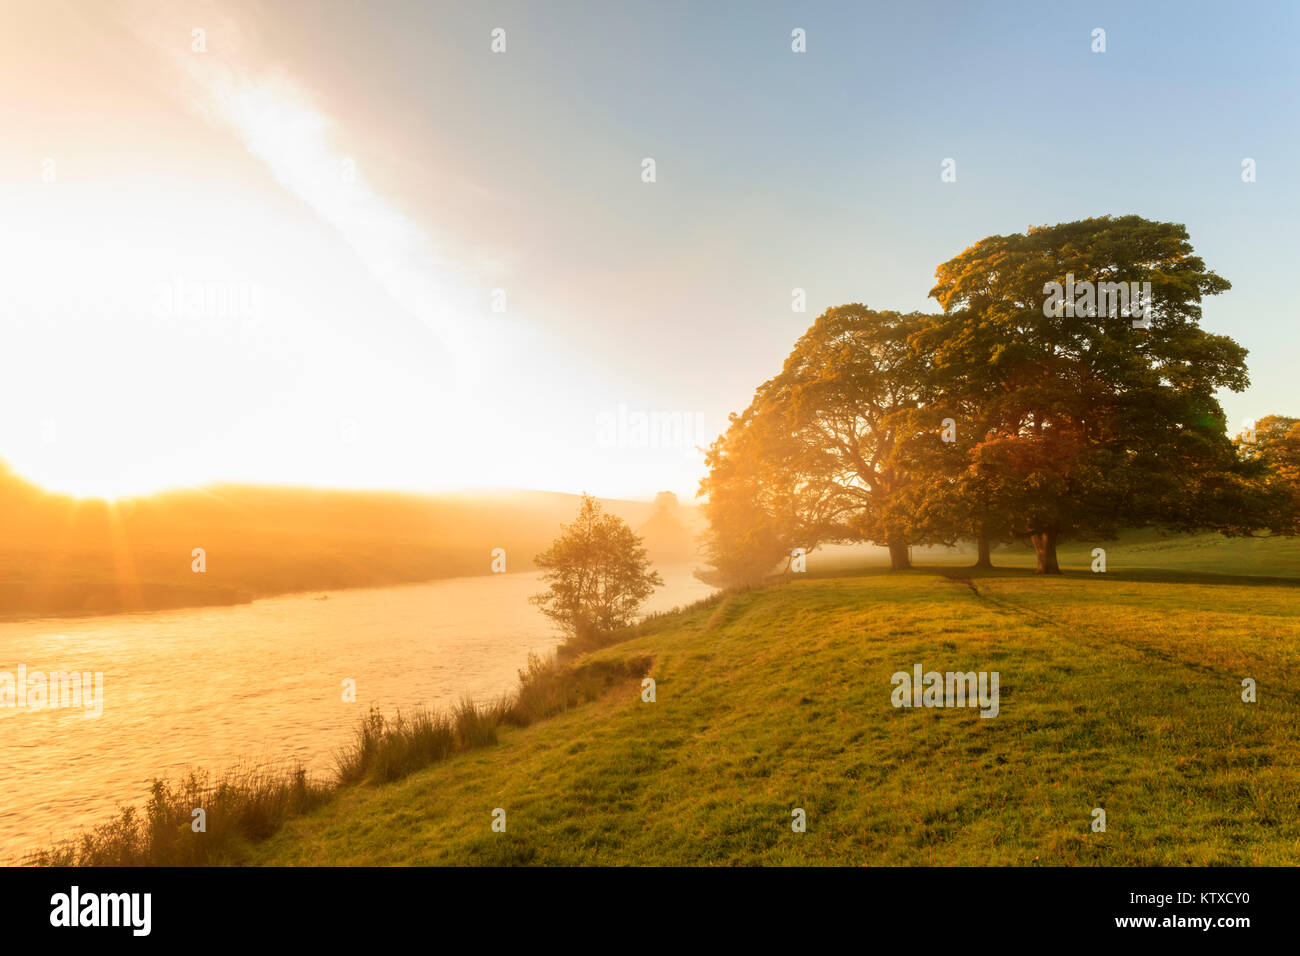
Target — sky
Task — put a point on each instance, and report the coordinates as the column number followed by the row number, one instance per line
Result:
column 349, row 244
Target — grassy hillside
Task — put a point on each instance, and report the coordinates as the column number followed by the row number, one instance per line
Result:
column 1120, row 691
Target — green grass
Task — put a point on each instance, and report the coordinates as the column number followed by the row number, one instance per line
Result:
column 1137, row 552
column 1120, row 691
column 1144, row 553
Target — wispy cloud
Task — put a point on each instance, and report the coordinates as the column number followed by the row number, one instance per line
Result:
column 280, row 124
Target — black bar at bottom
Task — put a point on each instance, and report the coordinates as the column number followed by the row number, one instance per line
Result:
column 440, row 905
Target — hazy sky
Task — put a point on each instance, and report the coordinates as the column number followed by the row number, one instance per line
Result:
column 274, row 260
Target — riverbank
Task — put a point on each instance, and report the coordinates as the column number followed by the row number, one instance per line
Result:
column 1119, row 691
column 201, row 822
column 258, row 686
column 1117, row 694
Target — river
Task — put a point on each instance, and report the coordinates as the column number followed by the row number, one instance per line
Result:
column 216, row 687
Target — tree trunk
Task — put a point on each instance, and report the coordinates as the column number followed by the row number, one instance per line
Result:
column 898, row 557
column 1045, row 549
column 985, row 559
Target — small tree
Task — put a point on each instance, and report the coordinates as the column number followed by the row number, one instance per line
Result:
column 597, row 571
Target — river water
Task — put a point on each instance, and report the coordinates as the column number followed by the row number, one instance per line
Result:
column 259, row 683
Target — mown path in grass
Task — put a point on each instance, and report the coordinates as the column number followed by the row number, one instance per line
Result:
column 1116, row 693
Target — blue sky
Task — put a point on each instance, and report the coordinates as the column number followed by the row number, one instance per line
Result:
column 821, row 170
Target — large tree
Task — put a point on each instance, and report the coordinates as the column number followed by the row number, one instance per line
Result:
column 1090, row 416
column 815, row 456
column 949, row 496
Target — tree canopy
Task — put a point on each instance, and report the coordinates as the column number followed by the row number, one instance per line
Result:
column 814, row 458
column 1067, row 389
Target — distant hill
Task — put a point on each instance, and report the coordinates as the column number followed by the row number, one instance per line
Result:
column 64, row 555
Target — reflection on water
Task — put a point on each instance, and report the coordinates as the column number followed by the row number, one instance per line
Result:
column 260, row 682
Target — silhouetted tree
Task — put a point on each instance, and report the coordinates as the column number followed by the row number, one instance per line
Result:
column 814, row 458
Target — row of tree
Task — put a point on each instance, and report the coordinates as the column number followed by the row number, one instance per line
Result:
column 1005, row 416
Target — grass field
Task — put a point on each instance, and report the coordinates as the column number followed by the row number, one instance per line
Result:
column 1120, row 691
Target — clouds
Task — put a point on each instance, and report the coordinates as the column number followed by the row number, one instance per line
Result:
column 235, row 85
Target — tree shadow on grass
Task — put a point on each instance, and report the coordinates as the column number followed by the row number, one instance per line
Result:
column 1150, row 575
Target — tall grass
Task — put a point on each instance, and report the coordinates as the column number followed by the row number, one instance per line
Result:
column 246, row 806
column 243, row 805
column 389, row 749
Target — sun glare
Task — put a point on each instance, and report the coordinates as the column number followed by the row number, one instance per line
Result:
column 103, row 487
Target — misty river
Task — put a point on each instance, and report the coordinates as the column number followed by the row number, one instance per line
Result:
column 260, row 683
